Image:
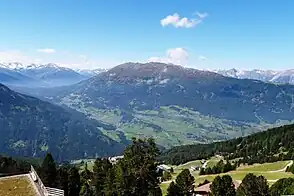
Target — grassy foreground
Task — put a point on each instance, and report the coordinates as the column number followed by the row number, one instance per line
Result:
column 16, row 186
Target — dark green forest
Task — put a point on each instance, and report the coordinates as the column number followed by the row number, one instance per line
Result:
column 268, row 146
column 135, row 175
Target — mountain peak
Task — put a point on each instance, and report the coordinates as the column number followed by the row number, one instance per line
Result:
column 129, row 71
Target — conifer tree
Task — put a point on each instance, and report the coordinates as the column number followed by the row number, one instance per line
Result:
column 62, row 176
column 74, row 183
column 48, row 171
column 185, row 182
column 173, row 190
column 223, row 186
column 252, row 185
column 137, row 174
column 100, row 170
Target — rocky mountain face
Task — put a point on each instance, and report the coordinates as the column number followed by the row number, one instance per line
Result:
column 90, row 72
column 282, row 77
column 178, row 105
column 31, row 127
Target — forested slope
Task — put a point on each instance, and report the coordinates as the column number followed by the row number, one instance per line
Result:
column 30, row 127
column 273, row 144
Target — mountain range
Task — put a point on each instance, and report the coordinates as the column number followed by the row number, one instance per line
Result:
column 178, row 105
column 173, row 104
column 42, row 75
column 282, row 77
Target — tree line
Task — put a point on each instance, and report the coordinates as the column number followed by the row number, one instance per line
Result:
column 220, row 167
column 9, row 165
column 136, row 174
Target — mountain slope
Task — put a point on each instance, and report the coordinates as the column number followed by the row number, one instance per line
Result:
column 271, row 145
column 30, row 127
column 180, row 105
column 12, row 77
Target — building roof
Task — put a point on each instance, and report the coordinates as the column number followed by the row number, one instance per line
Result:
column 27, row 184
column 164, row 167
column 206, row 187
column 19, row 185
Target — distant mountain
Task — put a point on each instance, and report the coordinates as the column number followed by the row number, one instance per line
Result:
column 39, row 75
column 90, row 72
column 283, row 77
column 179, row 105
column 12, row 77
column 52, row 74
column 30, row 127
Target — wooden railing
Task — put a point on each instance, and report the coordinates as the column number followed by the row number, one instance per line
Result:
column 46, row 191
column 40, row 186
column 54, row 192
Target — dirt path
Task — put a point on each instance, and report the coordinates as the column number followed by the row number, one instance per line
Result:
column 205, row 164
column 283, row 169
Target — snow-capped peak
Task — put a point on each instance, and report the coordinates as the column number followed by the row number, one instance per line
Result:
column 286, row 76
column 12, row 65
column 21, row 66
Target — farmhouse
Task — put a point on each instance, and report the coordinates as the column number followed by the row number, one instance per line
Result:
column 204, row 190
column 163, row 167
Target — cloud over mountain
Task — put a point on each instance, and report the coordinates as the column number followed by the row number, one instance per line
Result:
column 177, row 56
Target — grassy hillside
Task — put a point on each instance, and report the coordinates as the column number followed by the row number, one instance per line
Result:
column 271, row 171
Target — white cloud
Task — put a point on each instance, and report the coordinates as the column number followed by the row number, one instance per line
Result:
column 202, row 58
column 184, row 22
column 46, row 50
column 178, row 56
column 201, row 15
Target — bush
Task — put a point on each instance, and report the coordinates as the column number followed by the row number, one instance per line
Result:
column 166, row 176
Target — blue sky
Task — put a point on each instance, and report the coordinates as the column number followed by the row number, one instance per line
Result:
column 205, row 34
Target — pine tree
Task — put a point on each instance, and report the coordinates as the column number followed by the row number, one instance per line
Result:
column 62, row 176
column 86, row 190
column 48, row 171
column 284, row 186
column 100, row 171
column 174, row 190
column 109, row 188
column 86, row 176
column 137, row 174
column 252, row 186
column 74, row 183
column 223, row 186
column 166, row 176
column 185, row 181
